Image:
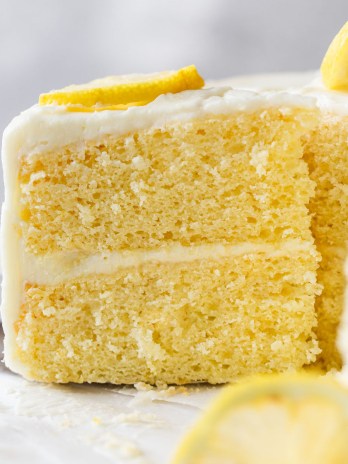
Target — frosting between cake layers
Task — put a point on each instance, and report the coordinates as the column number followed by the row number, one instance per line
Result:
column 58, row 267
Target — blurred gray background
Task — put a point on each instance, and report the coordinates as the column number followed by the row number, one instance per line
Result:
column 47, row 44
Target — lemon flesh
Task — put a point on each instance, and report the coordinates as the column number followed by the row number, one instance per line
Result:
column 120, row 92
column 277, row 419
column 334, row 68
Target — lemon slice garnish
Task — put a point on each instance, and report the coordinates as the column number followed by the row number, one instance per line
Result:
column 334, row 68
column 288, row 419
column 120, row 92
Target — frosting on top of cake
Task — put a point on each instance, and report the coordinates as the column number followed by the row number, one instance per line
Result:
column 41, row 128
column 306, row 84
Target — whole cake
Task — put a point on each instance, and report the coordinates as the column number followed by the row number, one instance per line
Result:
column 154, row 230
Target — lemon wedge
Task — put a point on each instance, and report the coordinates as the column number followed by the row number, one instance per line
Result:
column 287, row 419
column 121, row 92
column 334, row 68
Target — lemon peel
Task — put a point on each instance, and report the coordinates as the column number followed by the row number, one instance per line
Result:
column 121, row 92
column 334, row 68
column 288, row 419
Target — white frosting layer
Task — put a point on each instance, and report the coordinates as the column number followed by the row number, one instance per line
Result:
column 53, row 269
column 305, row 84
column 268, row 82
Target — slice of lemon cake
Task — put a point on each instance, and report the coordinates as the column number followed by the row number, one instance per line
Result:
column 158, row 239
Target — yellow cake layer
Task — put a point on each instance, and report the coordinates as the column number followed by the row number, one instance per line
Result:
column 326, row 155
column 205, row 320
column 219, row 179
